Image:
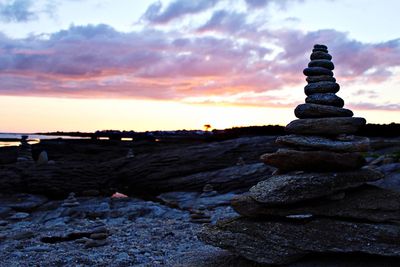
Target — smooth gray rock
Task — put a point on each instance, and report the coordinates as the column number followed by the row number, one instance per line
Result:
column 320, row 50
column 358, row 144
column 321, row 88
column 324, row 63
column 365, row 203
column 326, row 126
column 320, row 78
column 317, row 71
column 320, row 55
column 306, row 111
column 329, row 99
column 292, row 188
column 320, row 46
column 323, row 161
column 282, row 242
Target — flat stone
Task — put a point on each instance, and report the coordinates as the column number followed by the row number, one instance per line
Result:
column 364, row 203
column 99, row 236
column 324, row 63
column 325, row 99
column 320, row 78
column 292, row 188
column 320, row 55
column 317, row 71
column 321, row 88
column 358, row 144
column 306, row 111
column 326, row 126
column 324, row 161
column 19, row 216
column 283, row 241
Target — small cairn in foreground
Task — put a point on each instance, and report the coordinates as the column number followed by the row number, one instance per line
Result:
column 320, row 203
column 70, row 201
column 24, row 151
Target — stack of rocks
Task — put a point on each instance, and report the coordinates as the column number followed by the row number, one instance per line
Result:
column 320, row 202
column 70, row 201
column 200, row 215
column 25, row 151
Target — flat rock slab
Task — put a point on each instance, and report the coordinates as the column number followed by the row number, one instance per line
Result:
column 357, row 144
column 292, row 188
column 293, row 160
column 283, row 242
column 326, row 126
column 321, row 88
column 329, row 99
column 364, row 203
column 307, row 111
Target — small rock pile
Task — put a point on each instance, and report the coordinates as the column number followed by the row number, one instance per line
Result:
column 70, row 201
column 25, row 151
column 320, row 201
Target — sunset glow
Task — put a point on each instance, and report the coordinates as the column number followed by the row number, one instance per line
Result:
column 181, row 64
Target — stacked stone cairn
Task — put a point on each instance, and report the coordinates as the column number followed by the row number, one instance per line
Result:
column 70, row 201
column 320, row 201
column 25, row 151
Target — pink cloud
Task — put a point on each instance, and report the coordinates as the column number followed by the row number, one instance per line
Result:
column 98, row 61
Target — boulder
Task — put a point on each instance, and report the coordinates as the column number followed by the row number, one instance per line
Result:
column 306, row 111
column 326, row 126
column 323, row 161
column 329, row 99
column 292, row 188
column 285, row 241
column 367, row 202
column 357, row 144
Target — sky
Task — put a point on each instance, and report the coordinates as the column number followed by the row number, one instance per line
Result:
column 86, row 65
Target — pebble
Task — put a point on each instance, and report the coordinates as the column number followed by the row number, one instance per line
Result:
column 320, row 78
column 90, row 243
column 23, row 235
column 321, row 88
column 99, row 236
column 317, row 71
column 329, row 99
column 324, row 63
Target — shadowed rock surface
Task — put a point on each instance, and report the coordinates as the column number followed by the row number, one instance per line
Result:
column 365, row 203
column 173, row 169
column 355, row 144
column 325, row 126
column 292, row 188
column 285, row 241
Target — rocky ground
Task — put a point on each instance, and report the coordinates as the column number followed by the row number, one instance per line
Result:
column 102, row 231
column 105, row 231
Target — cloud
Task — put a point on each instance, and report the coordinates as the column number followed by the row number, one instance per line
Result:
column 156, row 14
column 17, row 11
column 263, row 3
column 231, row 58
